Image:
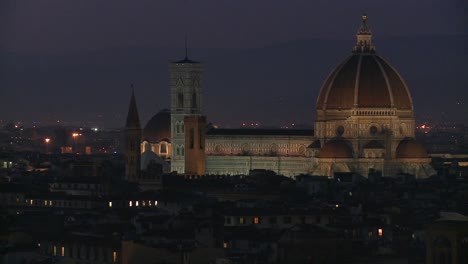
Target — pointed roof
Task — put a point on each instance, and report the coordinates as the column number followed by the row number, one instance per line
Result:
column 364, row 29
column 133, row 120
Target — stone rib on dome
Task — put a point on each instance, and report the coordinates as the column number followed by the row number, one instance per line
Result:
column 364, row 80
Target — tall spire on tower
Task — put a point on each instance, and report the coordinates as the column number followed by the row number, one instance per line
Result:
column 364, row 38
column 133, row 120
column 186, row 59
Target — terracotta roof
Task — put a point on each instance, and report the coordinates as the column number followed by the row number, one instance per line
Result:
column 315, row 144
column 364, row 80
column 410, row 149
column 336, row 149
column 158, row 127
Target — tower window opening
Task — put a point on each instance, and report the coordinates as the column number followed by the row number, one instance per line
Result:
column 180, row 100
column 194, row 100
column 200, row 138
column 191, row 139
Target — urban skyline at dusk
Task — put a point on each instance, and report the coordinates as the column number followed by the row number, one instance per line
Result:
column 233, row 132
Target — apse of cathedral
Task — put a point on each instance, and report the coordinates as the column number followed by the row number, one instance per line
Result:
column 364, row 124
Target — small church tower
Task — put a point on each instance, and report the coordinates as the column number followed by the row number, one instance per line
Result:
column 132, row 142
column 186, row 90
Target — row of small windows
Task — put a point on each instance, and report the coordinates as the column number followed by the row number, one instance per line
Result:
column 373, row 113
column 90, row 254
column 139, row 203
column 59, row 203
column 246, row 148
column 259, row 220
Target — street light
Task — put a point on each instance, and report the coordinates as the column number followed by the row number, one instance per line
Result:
column 47, row 141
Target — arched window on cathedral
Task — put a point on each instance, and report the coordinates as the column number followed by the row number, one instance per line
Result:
column 194, row 100
column 182, row 150
column 163, row 148
column 180, row 100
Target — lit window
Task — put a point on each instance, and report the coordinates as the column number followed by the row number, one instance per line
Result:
column 225, row 245
column 110, row 204
column 63, row 251
column 256, row 220
column 149, row 203
column 130, row 203
column 136, row 203
column 337, row 205
column 50, row 203
column 55, row 250
column 143, row 203
column 114, row 256
column 380, row 232
column 241, row 220
column 38, row 244
column 155, row 203
column 45, row 202
column 163, row 148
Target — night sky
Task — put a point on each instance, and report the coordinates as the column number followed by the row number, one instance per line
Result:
column 265, row 60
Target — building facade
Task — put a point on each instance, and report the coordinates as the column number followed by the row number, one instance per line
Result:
column 364, row 123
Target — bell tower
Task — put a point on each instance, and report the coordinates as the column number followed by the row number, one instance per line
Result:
column 186, row 91
column 132, row 142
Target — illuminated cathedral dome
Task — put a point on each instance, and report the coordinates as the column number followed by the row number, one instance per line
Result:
column 364, row 80
column 410, row 149
column 158, row 127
